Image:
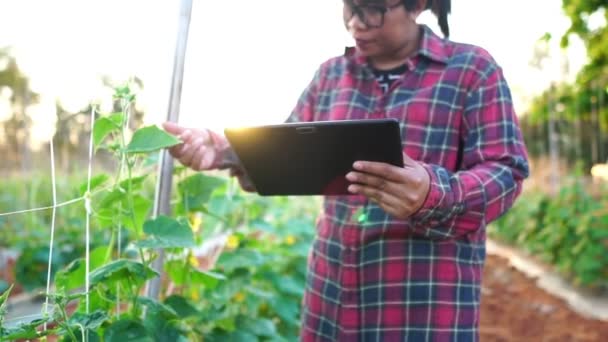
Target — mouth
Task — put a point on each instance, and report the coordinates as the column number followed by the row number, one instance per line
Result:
column 363, row 43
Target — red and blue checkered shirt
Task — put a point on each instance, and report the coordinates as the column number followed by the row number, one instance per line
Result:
column 384, row 279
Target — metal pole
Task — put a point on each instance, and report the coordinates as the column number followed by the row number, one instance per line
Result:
column 162, row 201
column 553, row 141
column 600, row 105
column 594, row 124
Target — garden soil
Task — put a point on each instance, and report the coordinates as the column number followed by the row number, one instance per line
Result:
column 513, row 308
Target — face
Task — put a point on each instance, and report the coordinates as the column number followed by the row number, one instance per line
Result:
column 385, row 30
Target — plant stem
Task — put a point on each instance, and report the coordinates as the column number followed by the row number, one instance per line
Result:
column 67, row 325
column 110, row 247
column 126, row 106
column 186, row 273
column 133, row 294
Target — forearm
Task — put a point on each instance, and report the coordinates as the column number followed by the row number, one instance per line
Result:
column 463, row 202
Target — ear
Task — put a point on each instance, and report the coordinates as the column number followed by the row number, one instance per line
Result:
column 421, row 6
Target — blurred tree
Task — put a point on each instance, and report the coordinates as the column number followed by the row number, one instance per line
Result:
column 15, row 146
column 73, row 128
column 583, row 119
column 588, row 21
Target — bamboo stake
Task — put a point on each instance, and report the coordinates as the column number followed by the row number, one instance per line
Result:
column 162, row 201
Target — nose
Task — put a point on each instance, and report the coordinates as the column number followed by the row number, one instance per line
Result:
column 355, row 24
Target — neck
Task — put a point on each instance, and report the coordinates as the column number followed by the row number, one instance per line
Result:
column 398, row 56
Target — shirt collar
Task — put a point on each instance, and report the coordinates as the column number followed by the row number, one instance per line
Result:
column 431, row 46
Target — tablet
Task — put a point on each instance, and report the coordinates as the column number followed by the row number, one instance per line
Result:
column 313, row 158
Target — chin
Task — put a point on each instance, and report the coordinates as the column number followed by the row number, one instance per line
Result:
column 369, row 53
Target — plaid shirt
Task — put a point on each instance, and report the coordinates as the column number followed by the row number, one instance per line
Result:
column 373, row 277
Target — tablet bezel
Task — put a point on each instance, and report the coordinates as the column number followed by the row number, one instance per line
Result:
column 312, row 158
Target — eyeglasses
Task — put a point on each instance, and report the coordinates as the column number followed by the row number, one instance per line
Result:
column 372, row 15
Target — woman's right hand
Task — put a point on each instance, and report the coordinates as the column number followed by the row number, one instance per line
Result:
column 201, row 149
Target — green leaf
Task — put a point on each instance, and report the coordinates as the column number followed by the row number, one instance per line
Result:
column 119, row 193
column 91, row 321
column 180, row 274
column 181, row 305
column 196, row 190
column 258, row 326
column 4, row 296
column 99, row 299
column 287, row 284
column 164, row 329
column 24, row 331
column 141, row 209
column 92, row 336
column 127, row 330
column 176, row 271
column 162, row 321
column 228, row 324
column 243, row 336
column 226, row 290
column 105, row 217
column 73, row 275
column 106, row 125
column 240, row 258
column 150, row 139
column 262, row 294
column 121, row 269
column 166, row 232
column 209, row 280
column 158, row 308
column 287, row 309
column 110, row 215
column 95, row 182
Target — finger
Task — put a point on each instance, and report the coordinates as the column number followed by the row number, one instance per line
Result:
column 173, row 128
column 208, row 159
column 177, row 150
column 197, row 158
column 367, row 179
column 190, row 150
column 203, row 158
column 375, row 194
column 188, row 138
column 383, row 170
column 389, row 203
column 407, row 161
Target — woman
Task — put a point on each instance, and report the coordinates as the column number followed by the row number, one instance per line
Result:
column 412, row 270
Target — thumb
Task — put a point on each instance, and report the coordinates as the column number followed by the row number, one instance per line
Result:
column 407, row 161
column 173, row 128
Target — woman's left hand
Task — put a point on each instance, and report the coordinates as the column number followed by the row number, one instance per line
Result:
column 400, row 191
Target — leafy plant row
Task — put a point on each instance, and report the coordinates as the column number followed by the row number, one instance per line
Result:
column 569, row 231
column 252, row 292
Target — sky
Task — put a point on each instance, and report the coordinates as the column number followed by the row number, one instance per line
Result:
column 247, row 61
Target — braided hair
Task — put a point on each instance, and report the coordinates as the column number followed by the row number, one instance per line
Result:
column 440, row 8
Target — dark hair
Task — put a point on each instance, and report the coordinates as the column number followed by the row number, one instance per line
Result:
column 440, row 8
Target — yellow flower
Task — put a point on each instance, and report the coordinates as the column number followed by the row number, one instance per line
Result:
column 290, row 240
column 196, row 220
column 239, row 297
column 195, row 295
column 194, row 261
column 233, row 242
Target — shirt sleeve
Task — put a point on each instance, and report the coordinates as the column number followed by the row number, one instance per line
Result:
column 495, row 163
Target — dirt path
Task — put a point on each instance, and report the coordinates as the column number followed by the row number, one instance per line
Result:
column 514, row 309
